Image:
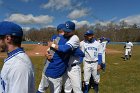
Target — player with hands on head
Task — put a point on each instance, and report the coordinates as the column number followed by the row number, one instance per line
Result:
column 92, row 60
column 104, row 41
column 17, row 74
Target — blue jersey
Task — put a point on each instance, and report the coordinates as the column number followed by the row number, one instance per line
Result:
column 57, row 67
column 59, row 63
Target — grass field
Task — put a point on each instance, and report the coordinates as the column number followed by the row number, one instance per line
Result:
column 120, row 76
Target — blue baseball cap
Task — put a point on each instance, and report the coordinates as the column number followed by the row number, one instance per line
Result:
column 102, row 38
column 69, row 26
column 10, row 28
column 60, row 27
column 89, row 32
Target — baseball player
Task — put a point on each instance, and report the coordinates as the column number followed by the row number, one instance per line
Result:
column 92, row 59
column 60, row 60
column 128, row 50
column 104, row 41
column 74, row 70
column 17, row 74
column 54, row 66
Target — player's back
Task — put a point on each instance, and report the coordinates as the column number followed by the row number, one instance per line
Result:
column 129, row 45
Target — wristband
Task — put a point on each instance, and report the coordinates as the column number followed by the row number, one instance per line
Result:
column 53, row 45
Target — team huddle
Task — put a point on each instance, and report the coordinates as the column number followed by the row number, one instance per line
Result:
column 64, row 56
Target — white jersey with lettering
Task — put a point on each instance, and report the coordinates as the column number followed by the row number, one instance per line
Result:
column 91, row 50
column 17, row 74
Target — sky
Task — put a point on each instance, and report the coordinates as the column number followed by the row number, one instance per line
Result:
column 50, row 13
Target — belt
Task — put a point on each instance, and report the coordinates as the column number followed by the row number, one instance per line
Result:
column 128, row 48
column 74, row 64
column 91, row 62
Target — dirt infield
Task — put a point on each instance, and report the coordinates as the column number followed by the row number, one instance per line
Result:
column 39, row 50
column 31, row 50
column 35, row 49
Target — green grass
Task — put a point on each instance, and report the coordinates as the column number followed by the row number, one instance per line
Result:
column 120, row 76
column 38, row 66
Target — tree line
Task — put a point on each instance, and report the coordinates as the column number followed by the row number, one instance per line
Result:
column 116, row 33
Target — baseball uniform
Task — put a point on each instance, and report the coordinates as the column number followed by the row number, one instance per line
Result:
column 104, row 42
column 54, row 69
column 128, row 50
column 91, row 51
column 74, row 69
column 93, row 58
column 17, row 74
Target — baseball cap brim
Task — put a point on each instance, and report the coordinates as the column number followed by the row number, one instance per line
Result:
column 88, row 34
column 10, row 28
column 60, row 26
column 67, row 30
